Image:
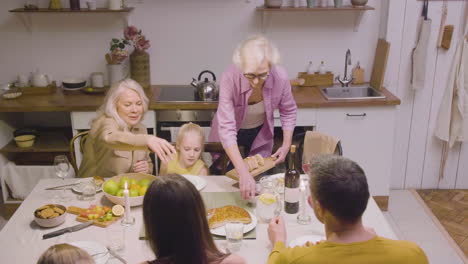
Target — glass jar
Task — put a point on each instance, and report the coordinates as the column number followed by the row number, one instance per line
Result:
column 268, row 202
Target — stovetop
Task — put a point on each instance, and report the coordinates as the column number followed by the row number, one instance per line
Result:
column 177, row 93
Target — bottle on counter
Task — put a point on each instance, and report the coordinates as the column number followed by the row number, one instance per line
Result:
column 291, row 184
column 322, row 69
column 358, row 74
column 310, row 69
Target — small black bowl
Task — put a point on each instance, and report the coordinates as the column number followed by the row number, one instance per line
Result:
column 25, row 131
column 74, row 83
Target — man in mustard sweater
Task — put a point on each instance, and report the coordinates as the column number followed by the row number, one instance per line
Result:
column 339, row 198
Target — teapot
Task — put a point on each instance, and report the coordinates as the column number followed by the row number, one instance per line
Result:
column 40, row 80
column 205, row 90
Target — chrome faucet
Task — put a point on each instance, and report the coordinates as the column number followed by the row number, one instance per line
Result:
column 345, row 82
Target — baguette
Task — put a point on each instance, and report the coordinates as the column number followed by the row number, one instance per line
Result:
column 222, row 215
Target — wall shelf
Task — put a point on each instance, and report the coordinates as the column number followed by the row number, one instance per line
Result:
column 265, row 11
column 25, row 14
column 47, row 141
column 68, row 10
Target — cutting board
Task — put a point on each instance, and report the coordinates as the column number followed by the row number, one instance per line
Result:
column 78, row 210
column 380, row 64
column 269, row 163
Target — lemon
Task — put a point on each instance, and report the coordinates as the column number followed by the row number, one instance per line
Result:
column 267, row 198
column 118, row 210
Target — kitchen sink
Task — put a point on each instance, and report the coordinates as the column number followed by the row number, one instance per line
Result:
column 351, row 93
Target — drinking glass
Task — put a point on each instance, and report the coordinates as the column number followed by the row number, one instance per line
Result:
column 303, row 217
column 116, row 237
column 88, row 190
column 269, row 203
column 62, row 166
column 234, row 235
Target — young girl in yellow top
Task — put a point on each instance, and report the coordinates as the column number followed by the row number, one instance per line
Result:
column 189, row 146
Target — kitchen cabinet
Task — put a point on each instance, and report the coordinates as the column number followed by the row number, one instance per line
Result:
column 366, row 135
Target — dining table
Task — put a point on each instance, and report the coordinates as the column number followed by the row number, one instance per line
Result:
column 21, row 238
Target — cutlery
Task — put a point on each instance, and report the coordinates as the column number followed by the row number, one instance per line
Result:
column 117, row 256
column 60, row 186
column 67, row 229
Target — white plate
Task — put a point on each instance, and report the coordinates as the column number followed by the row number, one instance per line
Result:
column 300, row 241
column 93, row 248
column 199, row 182
column 77, row 188
column 221, row 231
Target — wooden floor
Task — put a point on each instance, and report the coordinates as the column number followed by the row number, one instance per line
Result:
column 451, row 209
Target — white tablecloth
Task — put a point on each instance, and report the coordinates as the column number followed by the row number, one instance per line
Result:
column 21, row 239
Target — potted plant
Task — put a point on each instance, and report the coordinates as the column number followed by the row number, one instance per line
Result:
column 139, row 58
column 116, row 66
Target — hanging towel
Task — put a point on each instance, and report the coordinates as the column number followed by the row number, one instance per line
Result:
column 452, row 119
column 316, row 143
column 419, row 54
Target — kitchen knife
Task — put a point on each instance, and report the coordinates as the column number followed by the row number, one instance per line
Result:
column 60, row 186
column 67, row 229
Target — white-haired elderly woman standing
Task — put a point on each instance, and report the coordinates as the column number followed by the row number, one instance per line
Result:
column 118, row 142
column 250, row 90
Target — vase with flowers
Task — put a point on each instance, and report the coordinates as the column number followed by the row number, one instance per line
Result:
column 117, row 66
column 139, row 58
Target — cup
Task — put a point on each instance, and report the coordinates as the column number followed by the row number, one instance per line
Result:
column 115, row 4
column 22, row 81
column 338, row 3
column 88, row 191
column 116, row 237
column 97, row 79
column 234, row 235
column 91, row 5
column 117, row 72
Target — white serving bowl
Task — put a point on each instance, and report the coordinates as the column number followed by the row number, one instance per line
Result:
column 51, row 222
column 134, row 201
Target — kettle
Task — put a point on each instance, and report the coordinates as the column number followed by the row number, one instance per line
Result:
column 205, row 90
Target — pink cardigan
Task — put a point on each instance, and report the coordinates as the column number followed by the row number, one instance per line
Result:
column 235, row 91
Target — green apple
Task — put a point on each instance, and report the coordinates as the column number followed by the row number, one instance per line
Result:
column 143, row 190
column 133, row 193
column 110, row 187
column 124, row 180
column 133, row 182
column 120, row 193
column 145, row 182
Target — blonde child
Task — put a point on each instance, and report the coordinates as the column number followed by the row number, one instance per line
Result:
column 189, row 147
column 65, row 254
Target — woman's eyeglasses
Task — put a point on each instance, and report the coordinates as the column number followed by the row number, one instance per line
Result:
column 252, row 76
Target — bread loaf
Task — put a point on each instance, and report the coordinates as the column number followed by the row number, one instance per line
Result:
column 220, row 216
column 254, row 162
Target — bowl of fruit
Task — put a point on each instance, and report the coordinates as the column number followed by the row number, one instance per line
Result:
column 137, row 184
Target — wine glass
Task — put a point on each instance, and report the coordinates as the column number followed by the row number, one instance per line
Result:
column 62, row 166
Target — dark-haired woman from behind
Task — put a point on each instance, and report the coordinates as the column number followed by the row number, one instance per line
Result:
column 176, row 224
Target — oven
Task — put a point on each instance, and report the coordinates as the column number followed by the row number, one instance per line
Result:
column 168, row 122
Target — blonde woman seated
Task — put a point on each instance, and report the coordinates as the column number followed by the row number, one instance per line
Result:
column 118, row 142
column 189, row 147
column 65, row 254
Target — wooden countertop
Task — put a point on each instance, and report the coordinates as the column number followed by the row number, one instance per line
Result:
column 64, row 101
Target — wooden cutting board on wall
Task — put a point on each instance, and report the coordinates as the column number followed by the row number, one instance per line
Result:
column 380, row 64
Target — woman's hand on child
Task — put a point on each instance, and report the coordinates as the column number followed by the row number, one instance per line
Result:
column 141, row 166
column 162, row 148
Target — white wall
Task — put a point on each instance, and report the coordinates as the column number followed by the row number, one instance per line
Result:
column 187, row 36
column 417, row 153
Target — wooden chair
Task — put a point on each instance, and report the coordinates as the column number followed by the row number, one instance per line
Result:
column 82, row 136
